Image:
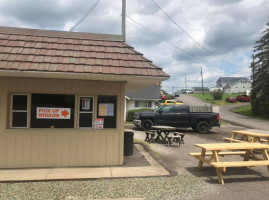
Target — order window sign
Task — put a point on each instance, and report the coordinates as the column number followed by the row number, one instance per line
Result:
column 106, row 109
column 85, row 103
column 53, row 113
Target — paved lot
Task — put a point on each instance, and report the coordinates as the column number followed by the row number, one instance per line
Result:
column 250, row 183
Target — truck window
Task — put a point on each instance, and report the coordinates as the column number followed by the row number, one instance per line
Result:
column 166, row 109
column 178, row 109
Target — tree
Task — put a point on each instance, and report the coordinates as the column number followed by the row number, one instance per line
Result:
column 217, row 94
column 260, row 76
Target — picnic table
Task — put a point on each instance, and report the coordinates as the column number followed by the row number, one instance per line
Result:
column 216, row 150
column 163, row 129
column 249, row 136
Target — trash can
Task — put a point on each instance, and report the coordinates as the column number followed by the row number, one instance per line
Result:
column 128, row 143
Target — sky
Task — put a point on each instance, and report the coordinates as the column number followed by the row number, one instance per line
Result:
column 227, row 29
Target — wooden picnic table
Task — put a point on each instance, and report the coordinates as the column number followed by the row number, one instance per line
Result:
column 216, row 150
column 249, row 136
column 163, row 129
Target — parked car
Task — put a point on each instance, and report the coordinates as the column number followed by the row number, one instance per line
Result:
column 177, row 116
column 231, row 99
column 171, row 102
column 243, row 98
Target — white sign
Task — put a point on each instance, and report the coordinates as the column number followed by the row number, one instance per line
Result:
column 99, row 123
column 85, row 104
column 53, row 113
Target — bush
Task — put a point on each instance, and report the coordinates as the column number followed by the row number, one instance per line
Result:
column 130, row 113
column 217, row 94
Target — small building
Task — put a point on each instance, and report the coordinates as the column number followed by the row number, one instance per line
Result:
column 234, row 84
column 145, row 98
column 200, row 90
column 62, row 97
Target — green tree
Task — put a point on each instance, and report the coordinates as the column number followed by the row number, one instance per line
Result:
column 260, row 76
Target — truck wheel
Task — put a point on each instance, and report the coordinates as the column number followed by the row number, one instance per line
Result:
column 147, row 124
column 203, row 127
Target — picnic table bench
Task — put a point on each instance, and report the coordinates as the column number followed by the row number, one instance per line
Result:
column 248, row 136
column 217, row 150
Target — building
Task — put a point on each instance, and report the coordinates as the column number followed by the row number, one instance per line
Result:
column 200, row 90
column 62, row 97
column 234, row 84
column 145, row 98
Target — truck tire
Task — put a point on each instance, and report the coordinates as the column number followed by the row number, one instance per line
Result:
column 203, row 127
column 147, row 124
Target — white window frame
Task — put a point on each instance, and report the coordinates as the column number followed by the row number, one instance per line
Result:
column 12, row 111
column 86, row 112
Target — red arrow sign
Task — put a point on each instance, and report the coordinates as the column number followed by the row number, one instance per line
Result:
column 65, row 113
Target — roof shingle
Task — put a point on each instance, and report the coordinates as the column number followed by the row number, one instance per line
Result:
column 50, row 51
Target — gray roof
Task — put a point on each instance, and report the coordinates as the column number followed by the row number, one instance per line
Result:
column 151, row 92
column 231, row 80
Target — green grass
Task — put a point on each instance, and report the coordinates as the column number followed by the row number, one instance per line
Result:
column 246, row 111
column 208, row 98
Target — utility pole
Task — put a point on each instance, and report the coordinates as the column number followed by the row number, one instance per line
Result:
column 185, row 81
column 202, row 80
column 123, row 31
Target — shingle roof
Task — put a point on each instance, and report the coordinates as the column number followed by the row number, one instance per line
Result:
column 231, row 80
column 59, row 51
column 151, row 92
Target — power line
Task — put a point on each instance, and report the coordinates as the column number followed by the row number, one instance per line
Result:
column 210, row 52
column 114, row 25
column 85, row 15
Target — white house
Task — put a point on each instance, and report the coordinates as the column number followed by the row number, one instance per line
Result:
column 145, row 98
column 234, row 84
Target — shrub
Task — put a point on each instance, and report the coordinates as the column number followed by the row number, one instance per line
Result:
column 130, row 113
column 217, row 94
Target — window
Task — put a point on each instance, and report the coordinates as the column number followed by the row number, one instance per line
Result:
column 19, row 111
column 52, row 111
column 136, row 104
column 85, row 113
column 166, row 109
column 143, row 104
column 178, row 109
column 106, row 109
column 149, row 104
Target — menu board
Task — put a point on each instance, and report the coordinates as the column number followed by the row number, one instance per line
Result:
column 106, row 109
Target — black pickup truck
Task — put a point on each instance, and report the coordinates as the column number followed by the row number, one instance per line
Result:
column 177, row 116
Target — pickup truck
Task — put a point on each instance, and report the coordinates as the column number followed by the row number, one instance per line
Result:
column 171, row 102
column 177, row 116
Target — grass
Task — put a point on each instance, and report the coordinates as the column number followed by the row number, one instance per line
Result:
column 246, row 111
column 208, row 98
column 223, row 123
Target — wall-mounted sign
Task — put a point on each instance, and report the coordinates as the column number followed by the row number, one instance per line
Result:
column 85, row 104
column 106, row 109
column 53, row 113
column 99, row 123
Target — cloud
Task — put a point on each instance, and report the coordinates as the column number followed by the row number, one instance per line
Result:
column 228, row 28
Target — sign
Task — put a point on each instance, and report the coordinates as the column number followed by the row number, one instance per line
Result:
column 106, row 109
column 99, row 123
column 53, row 113
column 85, row 104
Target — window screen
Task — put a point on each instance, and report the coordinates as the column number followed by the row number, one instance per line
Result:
column 52, row 110
column 85, row 112
column 107, row 107
column 19, row 111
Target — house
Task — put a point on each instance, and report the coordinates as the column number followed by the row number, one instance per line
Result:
column 200, row 90
column 234, row 84
column 62, row 97
column 145, row 98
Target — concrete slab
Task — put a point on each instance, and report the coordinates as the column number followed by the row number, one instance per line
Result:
column 141, row 164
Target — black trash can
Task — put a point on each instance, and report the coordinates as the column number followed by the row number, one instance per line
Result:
column 128, row 143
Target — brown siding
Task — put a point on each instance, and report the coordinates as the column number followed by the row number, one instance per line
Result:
column 21, row 148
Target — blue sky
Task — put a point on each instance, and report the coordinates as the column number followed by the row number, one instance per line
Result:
column 228, row 28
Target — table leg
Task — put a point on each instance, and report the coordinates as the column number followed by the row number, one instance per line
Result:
column 247, row 155
column 219, row 173
column 201, row 162
column 147, row 137
column 265, row 156
column 233, row 136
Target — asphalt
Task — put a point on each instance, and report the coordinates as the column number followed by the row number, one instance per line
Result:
column 227, row 115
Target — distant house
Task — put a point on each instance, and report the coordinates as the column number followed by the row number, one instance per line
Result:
column 145, row 98
column 200, row 90
column 234, row 84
